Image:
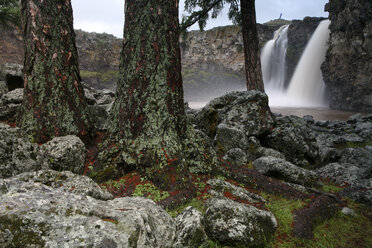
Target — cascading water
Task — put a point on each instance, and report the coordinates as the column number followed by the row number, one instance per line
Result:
column 273, row 61
column 307, row 87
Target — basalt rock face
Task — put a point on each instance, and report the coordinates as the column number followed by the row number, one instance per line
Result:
column 220, row 48
column 347, row 68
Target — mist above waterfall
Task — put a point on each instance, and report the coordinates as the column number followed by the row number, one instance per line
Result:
column 306, row 88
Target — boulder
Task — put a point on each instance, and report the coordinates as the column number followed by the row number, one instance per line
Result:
column 13, row 75
column 220, row 187
column 62, row 180
column 65, row 153
column 8, row 111
column 282, row 169
column 3, row 88
column 247, row 111
column 33, row 214
column 229, row 137
column 345, row 174
column 265, row 152
column 236, row 156
column 293, row 137
column 359, row 156
column 17, row 154
column 190, row 229
column 100, row 117
column 14, row 96
column 237, row 224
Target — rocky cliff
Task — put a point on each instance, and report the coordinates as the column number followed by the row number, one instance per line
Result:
column 212, row 60
column 347, row 70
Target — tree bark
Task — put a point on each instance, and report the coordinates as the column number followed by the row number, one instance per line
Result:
column 54, row 102
column 148, row 124
column 251, row 46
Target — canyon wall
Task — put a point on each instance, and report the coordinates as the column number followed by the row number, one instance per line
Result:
column 212, row 60
column 347, row 70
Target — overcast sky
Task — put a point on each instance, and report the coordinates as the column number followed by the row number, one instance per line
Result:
column 108, row 16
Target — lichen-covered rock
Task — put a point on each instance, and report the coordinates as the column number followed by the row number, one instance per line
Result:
column 229, row 137
column 100, row 116
column 219, row 187
column 17, row 154
column 244, row 110
column 190, row 229
column 293, row 137
column 237, row 224
column 359, row 156
column 345, row 174
column 62, row 180
column 34, row 214
column 282, row 169
column 14, row 96
column 265, row 152
column 13, row 75
column 3, row 88
column 8, row 111
column 65, row 153
column 236, row 156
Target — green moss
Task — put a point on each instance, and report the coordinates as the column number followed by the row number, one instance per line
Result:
column 331, row 188
column 24, row 231
column 198, row 204
column 150, row 191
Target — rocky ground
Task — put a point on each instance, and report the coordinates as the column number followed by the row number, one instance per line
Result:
column 282, row 181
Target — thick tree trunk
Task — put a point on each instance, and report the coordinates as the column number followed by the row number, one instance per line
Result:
column 251, row 46
column 54, row 102
column 148, row 124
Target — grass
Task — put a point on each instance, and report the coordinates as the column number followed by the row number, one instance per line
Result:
column 195, row 202
column 339, row 232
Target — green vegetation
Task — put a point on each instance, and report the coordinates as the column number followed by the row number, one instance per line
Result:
column 10, row 13
column 283, row 209
column 104, row 77
column 198, row 204
column 150, row 191
column 277, row 22
column 331, row 188
column 340, row 231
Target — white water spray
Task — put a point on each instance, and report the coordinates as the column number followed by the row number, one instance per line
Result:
column 273, row 61
column 307, row 88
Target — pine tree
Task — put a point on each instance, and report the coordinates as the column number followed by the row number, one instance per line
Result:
column 243, row 14
column 148, row 124
column 10, row 15
column 54, row 102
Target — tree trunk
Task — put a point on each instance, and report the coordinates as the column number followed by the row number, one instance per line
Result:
column 251, row 46
column 54, row 102
column 148, row 124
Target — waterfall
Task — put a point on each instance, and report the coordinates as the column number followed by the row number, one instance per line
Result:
column 273, row 61
column 307, row 87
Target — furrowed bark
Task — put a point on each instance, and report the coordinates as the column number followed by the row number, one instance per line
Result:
column 251, row 46
column 54, row 102
column 148, row 124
